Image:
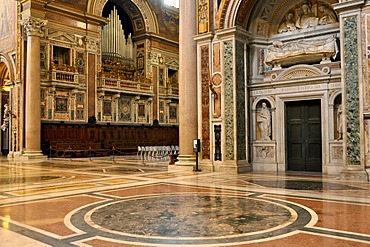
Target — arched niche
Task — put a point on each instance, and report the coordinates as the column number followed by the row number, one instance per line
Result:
column 140, row 12
column 256, row 110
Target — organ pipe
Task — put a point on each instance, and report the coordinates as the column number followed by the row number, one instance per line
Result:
column 114, row 42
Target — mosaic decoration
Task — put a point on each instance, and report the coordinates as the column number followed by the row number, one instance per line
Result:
column 205, row 102
column 141, row 110
column 149, row 216
column 240, row 102
column 80, row 114
column 203, row 16
column 173, row 112
column 107, row 107
column 43, row 53
column 61, row 104
column 352, row 86
column 80, row 62
column 80, row 98
column 124, row 109
column 229, row 101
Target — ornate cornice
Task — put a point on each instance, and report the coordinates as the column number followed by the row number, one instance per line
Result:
column 33, row 26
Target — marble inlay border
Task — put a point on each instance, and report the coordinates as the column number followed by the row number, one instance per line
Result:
column 240, row 102
column 352, row 90
column 205, row 101
column 229, row 101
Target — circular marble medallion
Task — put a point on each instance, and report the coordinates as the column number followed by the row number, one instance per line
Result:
column 191, row 215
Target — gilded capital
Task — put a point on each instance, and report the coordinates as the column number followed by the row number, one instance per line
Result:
column 33, row 26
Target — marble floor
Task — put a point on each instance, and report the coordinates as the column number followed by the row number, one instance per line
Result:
column 130, row 202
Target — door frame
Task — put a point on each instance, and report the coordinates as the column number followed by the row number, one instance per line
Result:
column 281, row 138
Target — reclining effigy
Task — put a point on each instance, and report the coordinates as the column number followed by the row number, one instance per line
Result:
column 300, row 52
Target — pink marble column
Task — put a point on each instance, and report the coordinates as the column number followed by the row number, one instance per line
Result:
column 187, row 85
column 34, row 29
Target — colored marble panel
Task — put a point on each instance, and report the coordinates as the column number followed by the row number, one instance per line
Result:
column 47, row 215
column 352, row 90
column 216, row 58
column 229, row 101
column 168, row 216
column 205, row 102
column 338, row 216
column 156, row 189
column 240, row 102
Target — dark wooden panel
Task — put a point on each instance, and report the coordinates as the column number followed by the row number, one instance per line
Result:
column 304, row 151
column 121, row 138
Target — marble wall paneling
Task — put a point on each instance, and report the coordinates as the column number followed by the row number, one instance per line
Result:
column 352, row 90
column 229, row 100
column 91, row 85
column 205, row 75
column 216, row 57
column 240, row 102
column 367, row 142
column 124, row 109
column 366, row 68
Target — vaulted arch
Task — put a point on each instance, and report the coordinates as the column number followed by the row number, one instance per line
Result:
column 140, row 13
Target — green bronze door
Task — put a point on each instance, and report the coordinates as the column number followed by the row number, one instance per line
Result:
column 303, row 136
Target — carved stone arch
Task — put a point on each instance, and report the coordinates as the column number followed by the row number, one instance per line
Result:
column 264, row 98
column 8, row 63
column 146, row 14
column 333, row 96
column 300, row 71
column 233, row 13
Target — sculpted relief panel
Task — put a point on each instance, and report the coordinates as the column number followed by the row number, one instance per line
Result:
column 299, row 51
column 307, row 15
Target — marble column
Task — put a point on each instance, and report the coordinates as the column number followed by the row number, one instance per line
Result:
column 33, row 28
column 352, row 79
column 187, row 85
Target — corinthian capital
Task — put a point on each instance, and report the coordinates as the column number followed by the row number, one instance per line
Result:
column 33, row 26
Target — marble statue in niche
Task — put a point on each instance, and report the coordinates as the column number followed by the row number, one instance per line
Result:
column 264, row 122
column 339, row 122
column 7, row 113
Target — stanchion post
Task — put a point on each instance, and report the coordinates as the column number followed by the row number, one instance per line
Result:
column 196, row 149
column 90, row 153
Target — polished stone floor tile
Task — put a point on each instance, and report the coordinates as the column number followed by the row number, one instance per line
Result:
column 106, row 202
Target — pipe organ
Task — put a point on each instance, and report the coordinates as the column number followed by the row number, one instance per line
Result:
column 115, row 46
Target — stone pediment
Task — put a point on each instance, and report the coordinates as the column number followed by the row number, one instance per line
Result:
column 299, row 71
column 173, row 64
column 62, row 37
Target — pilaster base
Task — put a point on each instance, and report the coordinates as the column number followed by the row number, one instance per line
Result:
column 267, row 167
column 354, row 174
column 14, row 155
column 235, row 167
column 33, row 156
column 184, row 163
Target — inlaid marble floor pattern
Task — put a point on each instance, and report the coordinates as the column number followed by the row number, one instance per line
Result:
column 130, row 202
